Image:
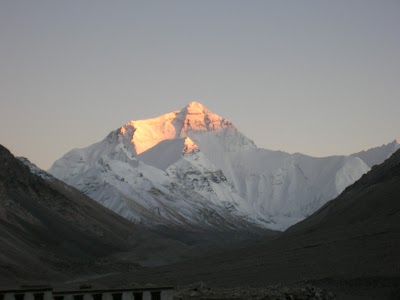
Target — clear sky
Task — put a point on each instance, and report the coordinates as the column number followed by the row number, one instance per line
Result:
column 317, row 77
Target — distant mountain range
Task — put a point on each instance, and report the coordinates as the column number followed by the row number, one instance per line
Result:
column 193, row 169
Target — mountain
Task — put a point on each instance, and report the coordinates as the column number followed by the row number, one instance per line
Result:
column 350, row 246
column 378, row 155
column 193, row 168
column 51, row 231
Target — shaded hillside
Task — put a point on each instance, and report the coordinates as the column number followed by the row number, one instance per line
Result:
column 47, row 227
column 352, row 244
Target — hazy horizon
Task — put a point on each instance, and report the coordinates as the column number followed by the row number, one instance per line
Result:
column 319, row 78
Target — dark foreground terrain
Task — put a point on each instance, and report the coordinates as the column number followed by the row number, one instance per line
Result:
column 351, row 246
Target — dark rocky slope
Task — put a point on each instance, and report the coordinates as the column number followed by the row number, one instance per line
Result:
column 49, row 230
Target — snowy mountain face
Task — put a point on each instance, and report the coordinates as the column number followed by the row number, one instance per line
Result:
column 192, row 167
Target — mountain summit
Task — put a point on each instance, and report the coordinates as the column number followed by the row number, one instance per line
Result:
column 192, row 167
column 193, row 118
column 156, row 172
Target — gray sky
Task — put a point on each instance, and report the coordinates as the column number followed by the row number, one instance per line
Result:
column 317, row 77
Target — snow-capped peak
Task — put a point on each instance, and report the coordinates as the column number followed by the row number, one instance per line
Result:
column 190, row 165
column 197, row 118
column 193, row 118
column 196, row 106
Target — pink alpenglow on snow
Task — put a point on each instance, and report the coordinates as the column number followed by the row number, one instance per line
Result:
column 181, row 123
